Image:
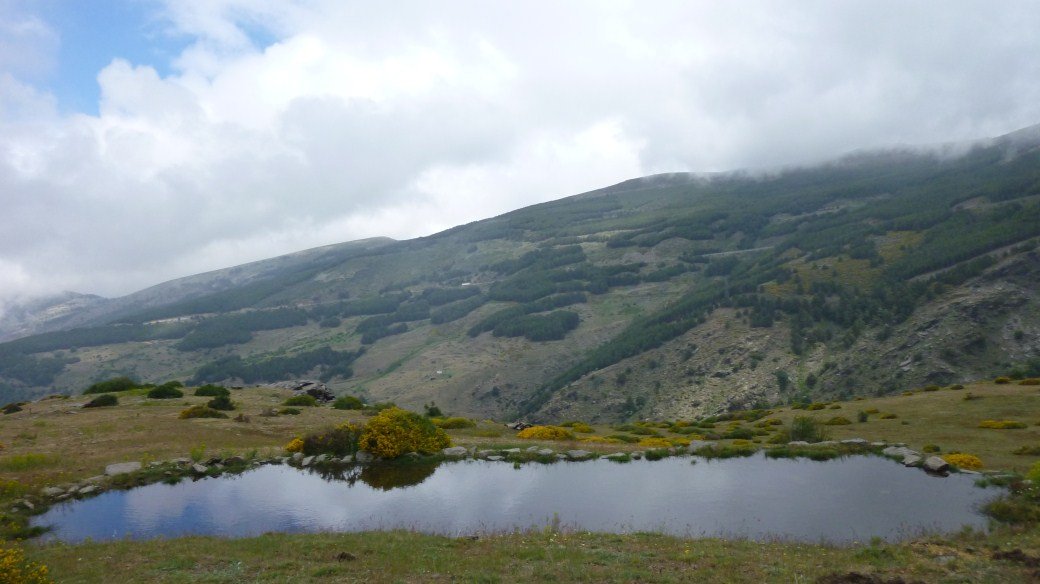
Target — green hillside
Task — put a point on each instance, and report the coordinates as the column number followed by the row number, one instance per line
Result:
column 665, row 296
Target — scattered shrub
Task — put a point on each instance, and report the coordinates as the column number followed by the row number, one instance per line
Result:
column 624, row 438
column 201, row 412
column 932, row 388
column 210, row 390
column 965, row 461
column 221, row 402
column 294, row 445
column 432, row 411
column 600, row 440
column 339, row 441
column 815, row 407
column 394, row 432
column 888, row 416
column 970, row 396
column 28, row 461
column 836, row 407
column 1002, row 424
column 1027, row 450
column 165, row 391
column 1030, row 381
column 838, row 421
column 290, row 411
column 957, row 386
column 545, row 433
column 14, row 567
column 738, row 434
column 862, row 417
column 807, row 429
column 102, row 401
column 12, row 408
column 1014, row 510
column 487, row 434
column 872, row 411
column 453, row 423
column 348, row 402
column 932, row 448
column 302, row 400
column 112, row 385
column 582, row 428
column 1002, row 380
column 655, row 443
column 373, row 409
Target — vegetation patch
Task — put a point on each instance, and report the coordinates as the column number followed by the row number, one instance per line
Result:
column 222, row 403
column 112, row 385
column 838, row 421
column 302, row 400
column 394, row 432
column 1002, row 424
column 168, row 390
column 102, row 401
column 545, row 433
column 964, row 461
column 210, row 390
column 201, row 412
column 339, row 441
column 454, row 423
column 348, row 402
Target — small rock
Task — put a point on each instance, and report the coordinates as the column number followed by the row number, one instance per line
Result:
column 638, row 454
column 51, row 491
column 546, row 452
column 122, row 468
column 936, row 464
column 578, row 454
column 455, row 451
column 855, row 441
column 899, row 452
column 484, row 453
column 321, row 458
column 297, row 457
column 213, row 460
column 95, row 480
column 532, row 448
column 911, row 460
column 234, row 460
column 87, row 490
column 198, row 469
column 495, row 457
column 878, row 444
column 363, row 457
column 511, row 451
column 307, row 461
column 616, row 456
column 826, row 443
column 27, row 504
column 180, row 461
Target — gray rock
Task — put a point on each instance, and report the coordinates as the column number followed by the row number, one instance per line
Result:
column 911, row 460
column 878, row 444
column 363, row 457
column 307, row 461
column 199, row 469
column 798, row 443
column 96, row 480
column 899, row 452
column 297, row 457
column 855, row 441
column 52, row 491
column 616, row 456
column 88, row 490
column 495, row 457
column 511, row 451
column 546, row 452
column 234, row 460
column 638, row 454
column 533, row 448
column 27, row 504
column 561, row 457
column 484, row 453
column 936, row 464
column 826, row 443
column 455, row 451
column 578, row 454
column 321, row 458
column 180, row 461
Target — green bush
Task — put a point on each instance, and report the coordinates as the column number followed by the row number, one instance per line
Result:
column 453, row 423
column 738, row 434
column 1002, row 380
column 12, row 408
column 201, row 412
column 348, row 402
column 210, row 390
column 165, row 391
column 807, row 429
column 221, row 402
column 838, row 421
column 302, row 400
column 931, row 448
column 290, row 411
column 339, row 441
column 394, row 432
column 112, row 385
column 101, row 401
column 862, row 417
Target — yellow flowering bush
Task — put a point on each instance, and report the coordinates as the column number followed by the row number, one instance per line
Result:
column 1002, row 424
column 594, row 439
column 582, row 428
column 545, row 433
column 294, row 445
column 15, row 568
column 394, row 432
column 966, row 461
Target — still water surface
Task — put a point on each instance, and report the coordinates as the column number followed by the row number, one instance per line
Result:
column 851, row 499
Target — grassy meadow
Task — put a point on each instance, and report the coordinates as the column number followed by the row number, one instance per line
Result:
column 56, row 441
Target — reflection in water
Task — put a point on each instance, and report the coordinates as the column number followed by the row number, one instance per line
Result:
column 846, row 500
column 378, row 476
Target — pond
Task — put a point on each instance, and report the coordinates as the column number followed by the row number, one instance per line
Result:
column 841, row 501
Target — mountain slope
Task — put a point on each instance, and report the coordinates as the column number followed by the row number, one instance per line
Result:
column 666, row 295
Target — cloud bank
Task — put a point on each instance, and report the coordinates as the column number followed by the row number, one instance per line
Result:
column 288, row 125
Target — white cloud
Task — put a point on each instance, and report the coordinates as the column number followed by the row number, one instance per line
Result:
column 363, row 119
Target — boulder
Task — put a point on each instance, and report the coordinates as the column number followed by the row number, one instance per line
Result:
column 495, row 457
column 899, row 452
column 307, row 461
column 936, row 465
column 455, row 451
column 88, row 490
column 911, row 460
column 180, row 461
column 578, row 454
column 52, row 491
column 199, row 469
column 511, row 451
column 320, row 458
column 546, row 452
column 297, row 457
column 798, row 443
column 363, row 457
column 855, row 441
column 617, row 456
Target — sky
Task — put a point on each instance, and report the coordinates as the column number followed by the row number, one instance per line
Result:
column 145, row 140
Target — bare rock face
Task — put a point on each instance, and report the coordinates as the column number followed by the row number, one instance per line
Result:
column 311, row 387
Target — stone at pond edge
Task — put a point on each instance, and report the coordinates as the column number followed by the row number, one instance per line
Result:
column 696, row 445
column 297, row 456
column 198, row 469
column 936, row 464
column 307, row 461
column 911, row 460
column 578, row 454
column 363, row 457
column 546, row 452
column 87, row 490
column 455, row 451
column 51, row 491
